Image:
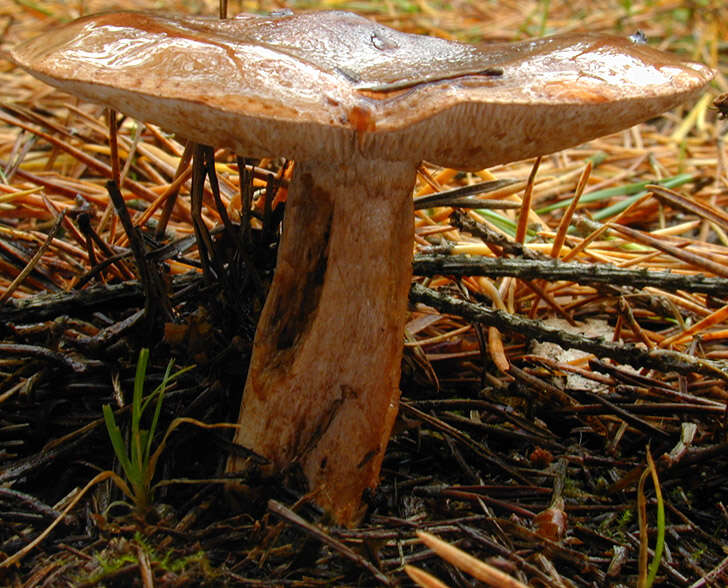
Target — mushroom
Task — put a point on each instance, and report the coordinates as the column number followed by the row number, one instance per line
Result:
column 358, row 106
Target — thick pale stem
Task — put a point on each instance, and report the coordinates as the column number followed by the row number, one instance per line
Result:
column 323, row 384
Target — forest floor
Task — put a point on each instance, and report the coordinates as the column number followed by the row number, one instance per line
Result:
column 579, row 437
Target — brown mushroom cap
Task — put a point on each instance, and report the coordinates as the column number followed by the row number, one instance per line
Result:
column 310, row 86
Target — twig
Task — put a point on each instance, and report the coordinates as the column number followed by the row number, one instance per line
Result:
column 582, row 273
column 659, row 359
column 288, row 515
column 30, row 501
column 628, row 417
column 205, row 247
column 113, row 145
column 713, row 575
column 155, row 296
column 490, row 236
column 47, row 354
column 84, row 224
column 465, row 196
column 478, row 448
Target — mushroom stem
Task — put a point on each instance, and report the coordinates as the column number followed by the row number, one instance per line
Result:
column 323, row 383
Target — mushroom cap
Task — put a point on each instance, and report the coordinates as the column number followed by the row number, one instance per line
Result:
column 333, row 84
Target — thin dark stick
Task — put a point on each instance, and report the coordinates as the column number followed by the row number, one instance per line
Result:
column 246, row 172
column 660, row 359
column 155, row 296
column 291, row 517
column 184, row 162
column 466, row 196
column 204, row 242
column 554, row 271
column 270, row 192
column 208, row 161
column 84, row 224
column 113, row 146
column 18, row 349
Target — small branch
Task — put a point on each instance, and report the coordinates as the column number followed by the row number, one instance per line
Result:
column 155, row 295
column 582, row 273
column 660, row 359
column 291, row 517
column 40, row 307
column 490, row 236
column 45, row 354
column 33, row 503
column 629, row 417
column 205, row 246
column 466, row 197
column 84, row 224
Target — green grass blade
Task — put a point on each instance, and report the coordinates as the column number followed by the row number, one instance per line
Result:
column 117, row 442
column 660, row 540
column 636, row 190
column 138, row 462
column 157, row 410
column 615, row 209
column 141, row 372
column 137, row 452
column 500, row 221
column 159, row 393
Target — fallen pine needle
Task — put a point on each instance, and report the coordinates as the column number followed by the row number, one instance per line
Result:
column 469, row 564
column 424, row 579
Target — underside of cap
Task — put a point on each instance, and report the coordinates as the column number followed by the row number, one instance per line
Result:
column 330, row 84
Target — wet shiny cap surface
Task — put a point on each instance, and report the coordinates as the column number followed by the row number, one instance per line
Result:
column 340, row 70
